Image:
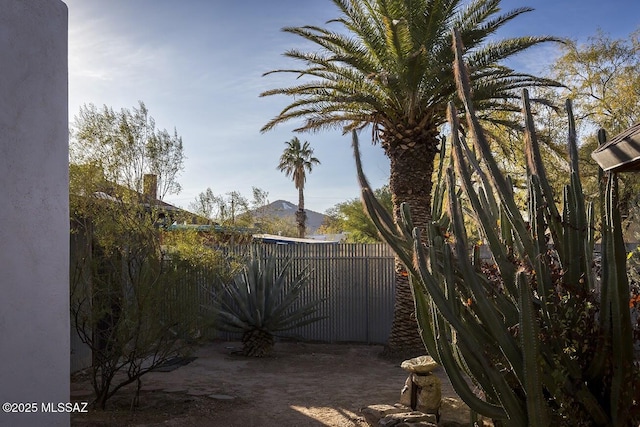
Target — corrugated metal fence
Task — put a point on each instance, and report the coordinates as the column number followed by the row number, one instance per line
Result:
column 356, row 282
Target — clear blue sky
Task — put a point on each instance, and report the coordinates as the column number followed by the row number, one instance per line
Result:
column 198, row 65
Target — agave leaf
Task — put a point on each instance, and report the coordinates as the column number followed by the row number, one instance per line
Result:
column 238, row 291
column 231, row 323
column 259, row 299
column 290, row 311
column 290, row 297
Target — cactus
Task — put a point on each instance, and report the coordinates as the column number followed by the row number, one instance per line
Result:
column 513, row 334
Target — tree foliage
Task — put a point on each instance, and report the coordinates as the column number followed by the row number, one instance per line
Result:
column 132, row 303
column 350, row 218
column 126, row 145
column 603, row 77
column 235, row 210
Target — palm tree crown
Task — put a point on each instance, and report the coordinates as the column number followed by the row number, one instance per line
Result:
column 393, row 64
column 297, row 159
column 389, row 65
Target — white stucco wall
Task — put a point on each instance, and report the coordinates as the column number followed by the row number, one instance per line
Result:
column 34, row 217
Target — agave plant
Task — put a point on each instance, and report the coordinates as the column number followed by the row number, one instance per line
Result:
column 259, row 304
column 543, row 337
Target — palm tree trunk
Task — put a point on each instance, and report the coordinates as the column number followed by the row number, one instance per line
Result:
column 301, row 215
column 411, row 169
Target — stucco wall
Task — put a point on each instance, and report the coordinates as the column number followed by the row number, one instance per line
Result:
column 34, row 218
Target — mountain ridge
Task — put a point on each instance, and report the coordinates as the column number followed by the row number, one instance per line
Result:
column 285, row 209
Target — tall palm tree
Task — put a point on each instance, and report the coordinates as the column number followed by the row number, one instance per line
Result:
column 295, row 159
column 389, row 65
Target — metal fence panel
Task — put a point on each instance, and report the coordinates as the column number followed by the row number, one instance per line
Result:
column 356, row 282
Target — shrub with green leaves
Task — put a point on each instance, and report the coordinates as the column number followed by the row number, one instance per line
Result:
column 543, row 338
column 129, row 303
column 259, row 303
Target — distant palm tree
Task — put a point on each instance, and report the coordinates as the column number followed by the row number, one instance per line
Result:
column 295, row 159
column 389, row 65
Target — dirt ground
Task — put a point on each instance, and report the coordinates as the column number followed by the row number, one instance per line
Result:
column 299, row 385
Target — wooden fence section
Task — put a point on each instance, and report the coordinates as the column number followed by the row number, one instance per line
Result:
column 356, row 282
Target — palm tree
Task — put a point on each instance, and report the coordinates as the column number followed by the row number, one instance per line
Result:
column 295, row 159
column 390, row 66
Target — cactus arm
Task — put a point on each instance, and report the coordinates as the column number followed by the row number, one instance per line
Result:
column 424, row 316
column 597, row 366
column 536, row 408
column 588, row 247
column 487, row 222
column 486, row 313
column 535, row 167
column 382, row 220
column 498, row 182
column 538, row 229
column 506, row 231
column 622, row 341
column 432, row 286
column 438, row 192
column 492, row 203
column 458, row 381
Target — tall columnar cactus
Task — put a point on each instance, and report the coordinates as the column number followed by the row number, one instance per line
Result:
column 523, row 328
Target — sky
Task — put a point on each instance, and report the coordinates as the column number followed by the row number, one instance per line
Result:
column 198, row 66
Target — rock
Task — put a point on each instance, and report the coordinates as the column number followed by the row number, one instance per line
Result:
column 406, row 417
column 455, row 413
column 379, row 411
column 405, row 393
column 429, row 393
column 419, row 365
column 416, row 424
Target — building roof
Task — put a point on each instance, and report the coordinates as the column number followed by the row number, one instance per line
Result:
column 621, row 153
column 282, row 240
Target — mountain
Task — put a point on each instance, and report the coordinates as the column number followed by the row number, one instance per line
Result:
column 284, row 209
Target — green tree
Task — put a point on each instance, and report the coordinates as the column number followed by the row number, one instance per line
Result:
column 295, row 161
column 126, row 145
column 206, row 204
column 233, row 209
column 389, row 65
column 130, row 302
column 602, row 77
column 350, row 217
column 227, row 209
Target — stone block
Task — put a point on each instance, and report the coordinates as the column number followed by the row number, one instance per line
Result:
column 406, row 417
column 419, row 365
column 380, row 411
column 455, row 413
column 429, row 393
